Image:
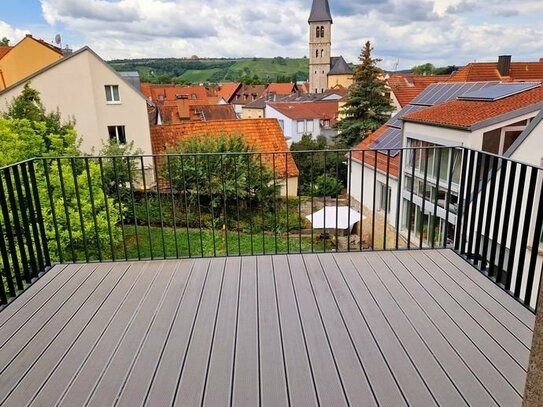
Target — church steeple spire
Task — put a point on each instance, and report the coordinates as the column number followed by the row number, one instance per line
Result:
column 320, row 12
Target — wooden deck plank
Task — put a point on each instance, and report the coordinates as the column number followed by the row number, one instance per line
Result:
column 384, row 328
column 408, row 378
column 463, row 378
column 112, row 378
column 300, row 378
column 353, row 374
column 439, row 384
column 82, row 383
column 164, row 384
column 379, row 373
column 60, row 377
column 22, row 303
column 21, row 352
column 505, row 302
column 246, row 383
column 513, row 325
column 488, row 345
column 274, row 391
column 330, row 389
column 45, row 305
column 219, row 376
column 141, row 374
column 95, row 309
column 430, row 300
column 192, row 381
column 472, row 300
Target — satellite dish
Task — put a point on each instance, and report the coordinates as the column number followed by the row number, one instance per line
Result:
column 58, row 40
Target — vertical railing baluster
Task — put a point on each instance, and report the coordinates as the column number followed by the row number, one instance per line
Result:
column 312, row 192
column 262, row 204
column 399, row 198
column 79, row 209
column 361, row 224
column 490, row 214
column 481, row 213
column 52, row 202
column 452, row 153
column 106, row 207
column 120, row 205
column 32, row 214
column 516, row 221
column 93, row 209
column 374, row 202
column 337, row 201
column 210, row 185
column 236, row 191
column 349, row 193
column 173, row 206
column 508, row 205
column 186, row 201
column 436, row 200
column 160, row 208
column 536, row 243
column 387, row 203
column 225, row 204
column 411, row 204
column 133, row 204
column 146, row 198
column 526, row 224
column 250, row 197
column 274, row 202
column 199, row 203
column 475, row 209
column 459, row 228
column 467, row 207
column 5, row 272
column 423, row 208
column 287, row 202
column 497, row 216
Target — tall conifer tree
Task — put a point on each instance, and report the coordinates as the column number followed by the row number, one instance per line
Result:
column 367, row 107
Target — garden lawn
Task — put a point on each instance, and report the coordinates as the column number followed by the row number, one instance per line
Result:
column 155, row 242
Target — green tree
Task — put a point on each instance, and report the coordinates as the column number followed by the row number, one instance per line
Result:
column 28, row 131
column 318, row 163
column 60, row 138
column 4, row 41
column 222, row 180
column 367, row 107
column 424, row 69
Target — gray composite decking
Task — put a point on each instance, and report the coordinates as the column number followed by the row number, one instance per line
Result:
column 413, row 328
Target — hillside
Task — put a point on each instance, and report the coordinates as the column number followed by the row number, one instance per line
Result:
column 216, row 70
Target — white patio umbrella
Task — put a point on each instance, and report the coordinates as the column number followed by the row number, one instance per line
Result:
column 346, row 217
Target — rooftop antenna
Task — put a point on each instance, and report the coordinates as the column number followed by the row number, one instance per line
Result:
column 396, row 65
column 58, row 40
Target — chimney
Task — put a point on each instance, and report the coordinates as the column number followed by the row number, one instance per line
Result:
column 504, row 65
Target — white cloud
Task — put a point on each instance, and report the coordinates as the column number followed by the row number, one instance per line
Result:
column 12, row 33
column 411, row 31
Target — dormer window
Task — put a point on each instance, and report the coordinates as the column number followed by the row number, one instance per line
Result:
column 112, row 94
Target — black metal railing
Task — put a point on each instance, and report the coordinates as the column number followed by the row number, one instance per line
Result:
column 96, row 209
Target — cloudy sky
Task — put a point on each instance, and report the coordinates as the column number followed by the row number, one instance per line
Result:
column 403, row 32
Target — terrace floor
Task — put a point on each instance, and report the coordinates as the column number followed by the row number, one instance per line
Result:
column 413, row 328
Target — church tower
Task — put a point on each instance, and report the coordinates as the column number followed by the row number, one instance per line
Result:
column 320, row 45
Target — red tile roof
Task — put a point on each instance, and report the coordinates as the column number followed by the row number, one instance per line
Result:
column 265, row 135
column 247, row 94
column 212, row 112
column 488, row 71
column 369, row 155
column 171, row 92
column 408, row 86
column 227, row 90
column 4, row 50
column 282, row 88
column 464, row 113
column 308, row 110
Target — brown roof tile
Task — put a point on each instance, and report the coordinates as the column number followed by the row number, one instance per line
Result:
column 308, row 110
column 264, row 135
column 488, row 71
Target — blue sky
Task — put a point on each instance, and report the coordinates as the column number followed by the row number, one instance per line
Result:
column 403, row 32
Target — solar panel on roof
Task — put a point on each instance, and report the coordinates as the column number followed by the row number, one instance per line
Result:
column 499, row 91
column 395, row 121
column 389, row 140
column 443, row 92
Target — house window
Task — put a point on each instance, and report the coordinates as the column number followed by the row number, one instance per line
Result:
column 309, row 126
column 385, row 197
column 301, row 126
column 117, row 134
column 282, row 124
column 193, row 96
column 112, row 94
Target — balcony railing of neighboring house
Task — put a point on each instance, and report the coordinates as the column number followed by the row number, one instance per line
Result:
column 98, row 209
